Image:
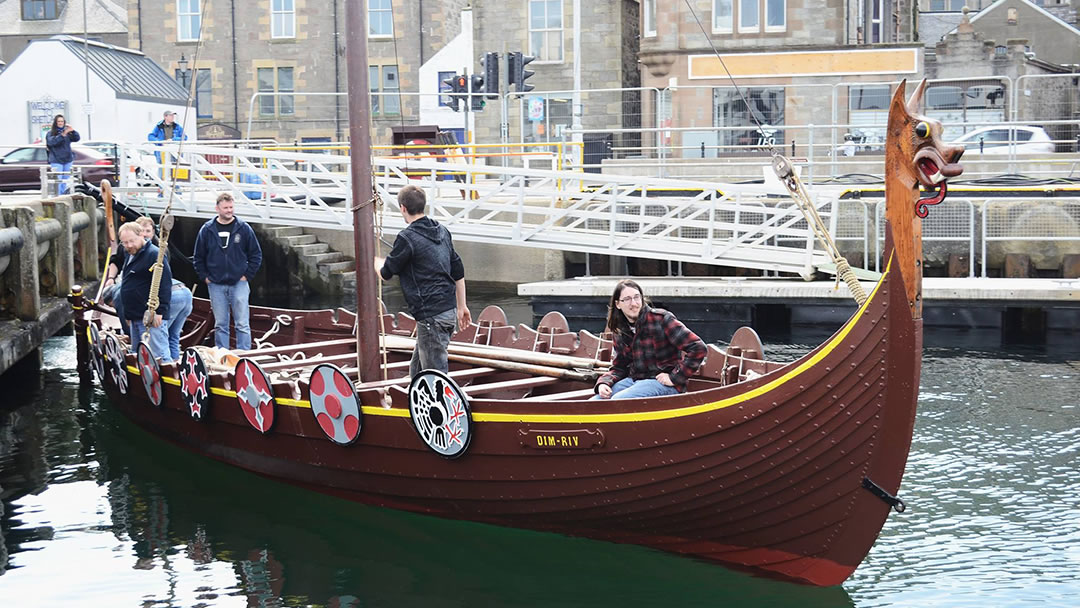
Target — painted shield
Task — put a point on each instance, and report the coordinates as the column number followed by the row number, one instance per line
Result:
column 114, row 355
column 151, row 374
column 194, row 384
column 97, row 352
column 254, row 394
column 334, row 403
column 440, row 413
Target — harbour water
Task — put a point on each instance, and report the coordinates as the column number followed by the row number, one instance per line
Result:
column 96, row 512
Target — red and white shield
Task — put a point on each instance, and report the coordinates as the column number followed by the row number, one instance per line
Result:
column 97, row 353
column 114, row 354
column 151, row 375
column 334, row 403
column 254, row 394
column 194, row 384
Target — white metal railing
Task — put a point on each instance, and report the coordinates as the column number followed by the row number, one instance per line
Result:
column 738, row 225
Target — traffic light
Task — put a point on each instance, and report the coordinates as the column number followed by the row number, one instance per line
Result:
column 477, row 102
column 490, row 64
column 516, row 72
column 452, row 88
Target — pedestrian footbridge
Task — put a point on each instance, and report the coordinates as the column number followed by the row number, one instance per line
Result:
column 749, row 226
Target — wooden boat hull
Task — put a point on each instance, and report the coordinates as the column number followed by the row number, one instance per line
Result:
column 766, row 474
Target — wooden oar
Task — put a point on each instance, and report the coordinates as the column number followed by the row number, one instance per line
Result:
column 501, row 353
column 525, row 368
column 110, row 232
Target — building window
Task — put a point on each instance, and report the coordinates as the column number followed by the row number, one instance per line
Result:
column 444, row 87
column 380, row 18
column 775, row 15
column 875, row 21
column 749, row 18
column 722, row 13
column 947, row 5
column 188, row 20
column 203, row 90
column 282, row 19
column 649, row 17
column 277, row 84
column 385, row 90
column 545, row 30
column 38, row 10
column 766, row 107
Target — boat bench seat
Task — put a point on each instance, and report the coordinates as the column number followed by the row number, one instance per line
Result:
column 521, row 386
column 584, row 393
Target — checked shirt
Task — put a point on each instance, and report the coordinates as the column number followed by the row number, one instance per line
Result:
column 660, row 343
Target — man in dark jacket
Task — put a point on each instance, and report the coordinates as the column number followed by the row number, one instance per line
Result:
column 58, row 146
column 432, row 279
column 135, row 283
column 227, row 254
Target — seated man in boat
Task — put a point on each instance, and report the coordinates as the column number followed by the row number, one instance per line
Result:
column 135, row 282
column 655, row 354
column 432, row 279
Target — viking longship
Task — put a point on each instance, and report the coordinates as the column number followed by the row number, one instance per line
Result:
column 787, row 469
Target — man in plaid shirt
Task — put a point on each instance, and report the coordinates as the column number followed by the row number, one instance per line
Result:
column 655, row 354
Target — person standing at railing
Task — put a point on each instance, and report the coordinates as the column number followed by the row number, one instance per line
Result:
column 58, row 143
column 227, row 255
column 166, row 130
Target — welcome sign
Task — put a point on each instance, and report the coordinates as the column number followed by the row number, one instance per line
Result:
column 41, row 113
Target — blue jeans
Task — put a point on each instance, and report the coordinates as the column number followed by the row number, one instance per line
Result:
column 628, row 388
column 179, row 309
column 64, row 170
column 432, row 337
column 234, row 298
column 159, row 339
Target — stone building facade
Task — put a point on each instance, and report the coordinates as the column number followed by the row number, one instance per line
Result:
column 25, row 20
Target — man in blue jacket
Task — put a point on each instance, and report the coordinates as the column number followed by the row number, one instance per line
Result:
column 167, row 129
column 135, row 283
column 227, row 254
column 432, row 279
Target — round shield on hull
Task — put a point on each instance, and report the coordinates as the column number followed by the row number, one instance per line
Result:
column 334, row 404
column 254, row 395
column 114, row 354
column 194, row 384
column 440, row 413
column 97, row 352
column 150, row 373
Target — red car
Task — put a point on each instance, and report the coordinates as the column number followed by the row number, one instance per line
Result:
column 20, row 169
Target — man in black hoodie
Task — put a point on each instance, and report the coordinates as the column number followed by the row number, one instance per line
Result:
column 432, row 279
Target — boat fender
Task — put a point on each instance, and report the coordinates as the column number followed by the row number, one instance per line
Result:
column 96, row 352
column 114, row 354
column 334, row 404
column 440, row 413
column 150, row 374
column 893, row 501
column 194, row 384
column 254, row 394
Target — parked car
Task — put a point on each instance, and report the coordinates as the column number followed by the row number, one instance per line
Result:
column 111, row 151
column 1004, row 139
column 20, row 169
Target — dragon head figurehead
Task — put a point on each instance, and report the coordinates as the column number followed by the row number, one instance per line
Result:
column 917, row 154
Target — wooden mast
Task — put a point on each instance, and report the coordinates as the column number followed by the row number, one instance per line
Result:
column 367, row 307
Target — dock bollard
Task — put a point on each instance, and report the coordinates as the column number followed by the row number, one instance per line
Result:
column 82, row 342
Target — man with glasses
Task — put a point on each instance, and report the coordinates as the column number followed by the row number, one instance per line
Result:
column 655, row 354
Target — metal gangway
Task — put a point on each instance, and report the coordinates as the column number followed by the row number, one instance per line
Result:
column 745, row 225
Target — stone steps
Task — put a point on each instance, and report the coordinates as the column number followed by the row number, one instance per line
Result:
column 321, row 268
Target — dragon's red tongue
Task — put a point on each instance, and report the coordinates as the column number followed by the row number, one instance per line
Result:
column 929, row 168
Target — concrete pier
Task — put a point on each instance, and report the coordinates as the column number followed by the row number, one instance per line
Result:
column 45, row 246
column 1031, row 306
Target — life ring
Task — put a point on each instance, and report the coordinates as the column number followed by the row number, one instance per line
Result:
column 194, row 384
column 254, row 394
column 114, row 354
column 334, row 404
column 150, row 373
column 97, row 354
column 440, row 413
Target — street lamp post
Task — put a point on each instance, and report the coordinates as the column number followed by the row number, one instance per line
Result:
column 183, row 72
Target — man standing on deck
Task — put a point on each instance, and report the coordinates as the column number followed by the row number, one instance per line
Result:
column 227, row 254
column 135, row 282
column 432, row 279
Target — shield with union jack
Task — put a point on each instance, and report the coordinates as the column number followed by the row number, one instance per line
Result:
column 254, row 394
column 440, row 413
column 150, row 373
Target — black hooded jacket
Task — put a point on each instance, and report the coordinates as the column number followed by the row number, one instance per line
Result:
column 423, row 256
